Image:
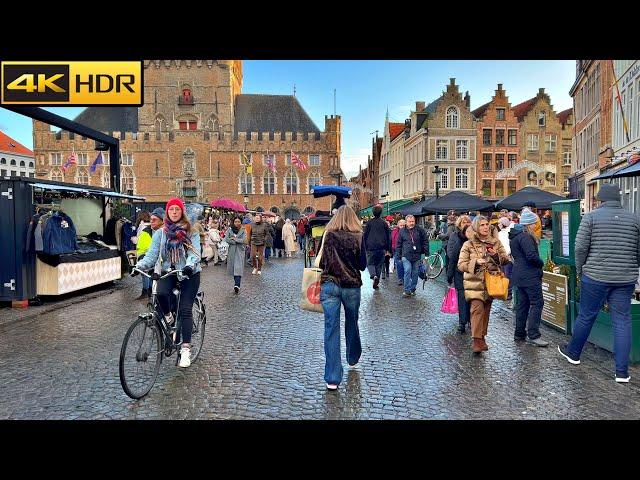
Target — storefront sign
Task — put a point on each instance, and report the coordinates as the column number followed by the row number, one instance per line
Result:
column 554, row 293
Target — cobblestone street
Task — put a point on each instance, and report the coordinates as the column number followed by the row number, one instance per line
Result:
column 263, row 358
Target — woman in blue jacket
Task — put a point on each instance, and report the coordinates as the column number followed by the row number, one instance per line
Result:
column 527, row 278
column 176, row 246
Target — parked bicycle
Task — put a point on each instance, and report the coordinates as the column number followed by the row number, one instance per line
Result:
column 151, row 337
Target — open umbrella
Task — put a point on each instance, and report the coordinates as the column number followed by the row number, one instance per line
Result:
column 458, row 201
column 228, row 204
column 516, row 201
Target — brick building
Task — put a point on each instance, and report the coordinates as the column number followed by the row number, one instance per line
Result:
column 540, row 144
column 498, row 148
column 189, row 138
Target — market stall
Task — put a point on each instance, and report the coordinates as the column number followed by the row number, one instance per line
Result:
column 516, row 201
column 458, row 201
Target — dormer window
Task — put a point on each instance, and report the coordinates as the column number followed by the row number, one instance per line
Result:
column 542, row 118
column 452, row 117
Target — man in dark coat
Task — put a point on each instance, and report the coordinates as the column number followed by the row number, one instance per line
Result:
column 412, row 243
column 377, row 240
column 278, row 243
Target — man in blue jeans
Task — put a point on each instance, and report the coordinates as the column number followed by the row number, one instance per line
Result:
column 607, row 260
column 412, row 243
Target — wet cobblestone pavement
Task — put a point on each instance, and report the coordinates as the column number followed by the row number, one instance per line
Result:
column 263, row 358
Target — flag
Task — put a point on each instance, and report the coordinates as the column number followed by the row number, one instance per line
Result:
column 295, row 160
column 249, row 169
column 98, row 161
column 245, row 159
column 271, row 164
column 72, row 160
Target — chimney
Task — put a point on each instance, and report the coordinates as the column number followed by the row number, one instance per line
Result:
column 467, row 99
column 499, row 87
column 452, row 81
column 541, row 91
column 419, row 106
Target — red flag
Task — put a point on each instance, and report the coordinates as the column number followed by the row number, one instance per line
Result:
column 295, row 160
column 72, row 160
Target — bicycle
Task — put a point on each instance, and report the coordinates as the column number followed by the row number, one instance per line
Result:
column 434, row 264
column 150, row 338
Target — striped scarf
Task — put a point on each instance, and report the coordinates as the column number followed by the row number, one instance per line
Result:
column 177, row 237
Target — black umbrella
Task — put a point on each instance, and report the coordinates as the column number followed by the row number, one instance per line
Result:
column 516, row 201
column 458, row 201
column 416, row 208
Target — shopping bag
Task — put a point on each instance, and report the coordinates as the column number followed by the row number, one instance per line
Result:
column 392, row 265
column 310, row 292
column 450, row 301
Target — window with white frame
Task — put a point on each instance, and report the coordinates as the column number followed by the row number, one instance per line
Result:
column 462, row 149
column 57, row 175
column 126, row 159
column 550, row 142
column 314, row 160
column 444, row 178
column 315, row 179
column 128, row 181
column 462, row 178
column 291, row 182
column 499, row 113
column 542, row 118
column 566, row 157
column 105, row 158
column 441, row 149
column 268, row 183
column 82, row 177
column 452, row 117
column 105, row 179
column 532, row 142
column 287, row 159
column 56, row 159
column 83, row 159
column 246, row 184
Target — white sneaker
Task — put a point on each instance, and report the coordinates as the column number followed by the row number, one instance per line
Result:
column 331, row 386
column 259, row 272
column 185, row 357
column 623, row 379
column 255, row 270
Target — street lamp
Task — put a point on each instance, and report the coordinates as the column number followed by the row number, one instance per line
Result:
column 437, row 171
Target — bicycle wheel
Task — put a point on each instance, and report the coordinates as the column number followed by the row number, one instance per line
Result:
column 199, row 327
column 435, row 265
column 140, row 357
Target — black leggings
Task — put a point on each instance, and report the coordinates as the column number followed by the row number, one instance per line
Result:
column 188, row 291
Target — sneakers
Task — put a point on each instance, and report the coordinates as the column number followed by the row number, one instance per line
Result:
column 519, row 339
column 236, row 289
column 185, row 357
column 254, row 271
column 565, row 353
column 332, row 386
column 400, row 282
column 376, row 282
column 406, row 294
column 622, row 379
column 537, row 342
column 413, row 293
column 355, row 365
column 259, row 272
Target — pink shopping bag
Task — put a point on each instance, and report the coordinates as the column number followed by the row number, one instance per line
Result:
column 450, row 302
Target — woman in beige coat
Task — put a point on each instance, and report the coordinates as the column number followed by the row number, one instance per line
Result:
column 289, row 237
column 483, row 251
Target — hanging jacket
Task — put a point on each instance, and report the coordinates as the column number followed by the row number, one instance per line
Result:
column 127, row 232
column 33, row 223
column 110, row 232
column 59, row 235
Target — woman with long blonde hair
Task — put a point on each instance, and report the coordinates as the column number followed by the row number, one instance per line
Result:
column 343, row 258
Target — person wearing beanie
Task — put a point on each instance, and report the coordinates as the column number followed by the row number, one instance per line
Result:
column 607, row 254
column 526, row 277
column 482, row 252
column 157, row 218
column 176, row 246
column 530, row 207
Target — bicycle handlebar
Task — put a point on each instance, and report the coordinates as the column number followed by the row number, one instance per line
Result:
column 177, row 272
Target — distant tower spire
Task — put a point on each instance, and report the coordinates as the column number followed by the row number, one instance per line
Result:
column 294, row 89
column 387, row 115
column 334, row 102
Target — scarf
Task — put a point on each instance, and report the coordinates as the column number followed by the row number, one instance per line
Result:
column 177, row 237
column 235, row 230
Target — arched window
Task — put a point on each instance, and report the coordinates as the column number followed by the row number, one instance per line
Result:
column 452, row 117
column 30, row 164
column 160, row 126
column 56, row 175
column 291, row 182
column 128, row 181
column 275, row 210
column 314, row 179
column 186, row 95
column 13, row 162
column 268, row 183
column 246, row 184
column 308, row 211
column 22, row 164
column 3, row 161
column 82, row 177
column 212, row 124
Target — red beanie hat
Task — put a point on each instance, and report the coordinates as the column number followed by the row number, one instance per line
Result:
column 176, row 201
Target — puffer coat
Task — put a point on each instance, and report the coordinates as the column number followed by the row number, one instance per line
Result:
column 473, row 250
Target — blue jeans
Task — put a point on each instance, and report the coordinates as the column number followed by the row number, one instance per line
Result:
column 593, row 294
column 236, row 280
column 267, row 253
column 331, row 297
column 507, row 270
column 397, row 260
column 529, row 311
column 410, row 274
column 146, row 283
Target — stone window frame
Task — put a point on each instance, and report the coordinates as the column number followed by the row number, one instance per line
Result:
column 315, row 175
column 56, row 175
column 291, row 175
column 444, row 179
column 22, row 164
column 82, row 174
column 533, row 146
column 3, row 161
column 83, row 159
column 314, row 164
column 106, row 179
column 128, row 179
column 264, row 159
column 126, row 159
column 268, row 175
column 484, row 137
column 496, row 161
column 31, row 165
column 462, row 145
column 504, row 113
column 444, row 146
column 513, row 131
column 542, row 115
column 55, row 159
column 462, row 173
column 566, row 157
column 550, row 142
column 245, row 179
column 483, row 187
column 510, row 157
column 501, row 144
column 249, row 155
column 452, row 117
column 484, row 160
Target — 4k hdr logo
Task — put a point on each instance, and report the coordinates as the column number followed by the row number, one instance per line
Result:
column 71, row 83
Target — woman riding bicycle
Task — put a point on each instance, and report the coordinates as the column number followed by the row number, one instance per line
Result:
column 176, row 246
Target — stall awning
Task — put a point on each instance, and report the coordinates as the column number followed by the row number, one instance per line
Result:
column 416, row 208
column 62, row 188
column 391, row 206
column 516, row 201
column 116, row 194
column 458, row 201
column 626, row 171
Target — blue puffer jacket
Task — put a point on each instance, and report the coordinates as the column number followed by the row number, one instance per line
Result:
column 157, row 246
column 527, row 264
column 59, row 235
